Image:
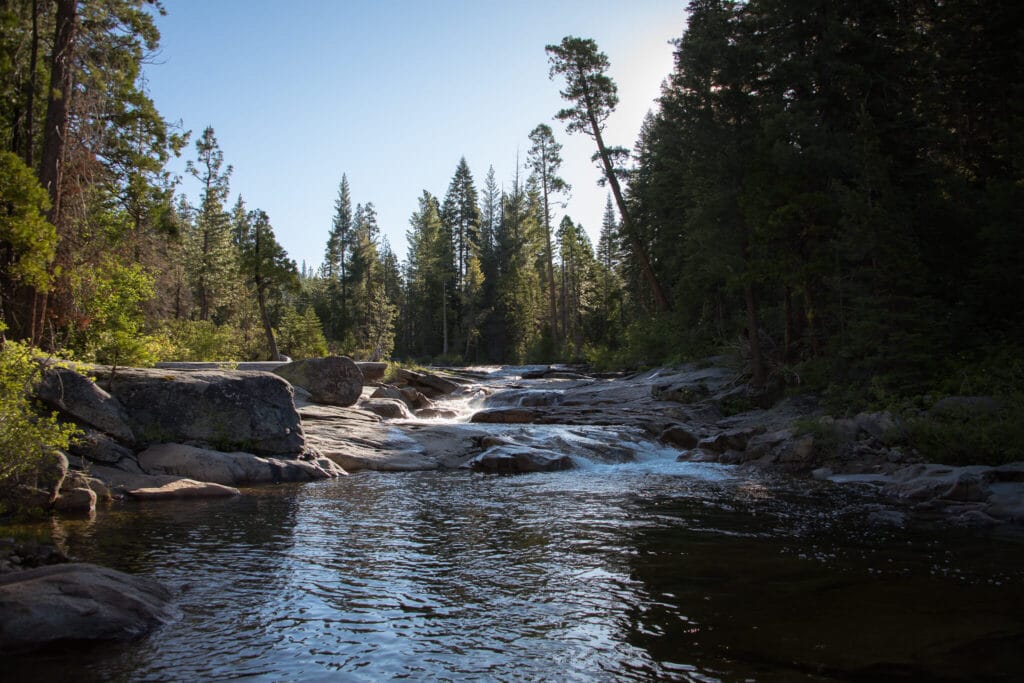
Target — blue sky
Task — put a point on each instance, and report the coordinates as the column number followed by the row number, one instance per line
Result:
column 392, row 93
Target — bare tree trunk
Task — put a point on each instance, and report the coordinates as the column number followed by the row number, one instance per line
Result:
column 261, row 299
column 58, row 106
column 552, row 308
column 660, row 299
column 30, row 99
column 756, row 359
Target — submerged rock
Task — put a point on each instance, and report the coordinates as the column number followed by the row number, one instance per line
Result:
column 517, row 459
column 76, row 602
column 183, row 488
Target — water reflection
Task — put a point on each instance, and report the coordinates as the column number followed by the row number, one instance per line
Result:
column 618, row 572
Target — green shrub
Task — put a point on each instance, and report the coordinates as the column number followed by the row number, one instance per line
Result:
column 300, row 335
column 26, row 432
column 993, row 438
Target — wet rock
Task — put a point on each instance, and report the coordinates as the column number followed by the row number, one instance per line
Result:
column 537, row 373
column 76, row 501
column 731, row 439
column 76, row 602
column 251, row 411
column 436, row 414
column 506, row 416
column 679, row 435
column 230, row 469
column 517, row 459
column 698, row 455
column 25, row 499
column 929, row 481
column 387, row 391
column 78, row 396
column 183, row 488
column 798, row 451
column 525, row 398
column 968, row 487
column 414, row 399
column 334, row 380
column 20, row 555
column 428, row 383
column 388, row 408
column 762, row 444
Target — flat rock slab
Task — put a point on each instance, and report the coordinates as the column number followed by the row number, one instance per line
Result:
column 76, row 602
column 183, row 488
column 229, row 469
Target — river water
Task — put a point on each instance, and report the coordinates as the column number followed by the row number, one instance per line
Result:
column 649, row 570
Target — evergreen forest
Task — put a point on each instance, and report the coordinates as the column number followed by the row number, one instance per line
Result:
column 831, row 192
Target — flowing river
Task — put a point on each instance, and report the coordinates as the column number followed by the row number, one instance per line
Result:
column 648, row 570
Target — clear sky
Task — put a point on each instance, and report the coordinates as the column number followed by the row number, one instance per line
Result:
column 393, row 93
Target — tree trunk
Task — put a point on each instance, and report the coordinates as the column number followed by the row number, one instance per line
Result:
column 756, row 360
column 261, row 299
column 58, row 106
column 552, row 308
column 660, row 299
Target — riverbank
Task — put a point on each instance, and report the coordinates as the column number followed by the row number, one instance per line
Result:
column 201, row 433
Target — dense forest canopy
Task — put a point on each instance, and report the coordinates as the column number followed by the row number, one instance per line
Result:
column 831, row 189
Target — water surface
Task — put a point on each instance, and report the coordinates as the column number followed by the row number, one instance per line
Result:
column 654, row 570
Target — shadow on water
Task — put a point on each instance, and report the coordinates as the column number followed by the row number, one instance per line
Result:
column 610, row 573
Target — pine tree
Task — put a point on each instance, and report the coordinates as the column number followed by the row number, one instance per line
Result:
column 210, row 247
column 267, row 268
column 594, row 96
column 544, row 160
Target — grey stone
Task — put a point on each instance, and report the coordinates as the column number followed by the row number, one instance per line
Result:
column 679, row 435
column 76, row 395
column 334, row 380
column 229, row 469
column 515, row 459
column 231, row 410
column 387, row 408
column 76, row 501
column 76, row 602
column 96, row 446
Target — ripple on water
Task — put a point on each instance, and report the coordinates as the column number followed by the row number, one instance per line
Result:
column 654, row 570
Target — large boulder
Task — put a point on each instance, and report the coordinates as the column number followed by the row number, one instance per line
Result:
column 76, row 602
column 230, row 410
column 372, row 372
column 334, row 380
column 229, row 469
column 78, row 396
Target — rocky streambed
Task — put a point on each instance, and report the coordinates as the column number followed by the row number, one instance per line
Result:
column 205, row 432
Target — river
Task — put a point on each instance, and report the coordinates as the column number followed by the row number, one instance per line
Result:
column 647, row 570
